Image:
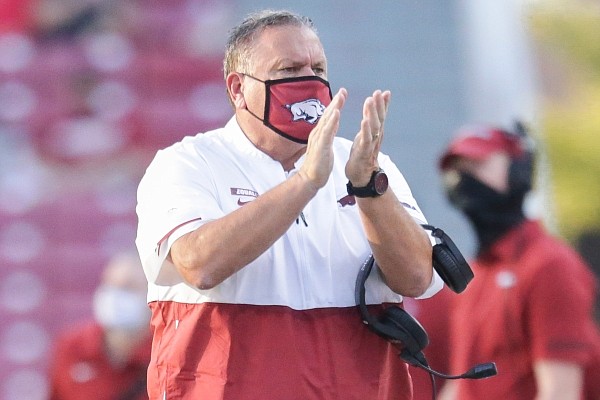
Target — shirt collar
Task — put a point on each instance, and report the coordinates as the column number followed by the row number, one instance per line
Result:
column 238, row 139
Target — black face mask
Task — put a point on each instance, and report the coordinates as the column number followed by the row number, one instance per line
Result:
column 492, row 213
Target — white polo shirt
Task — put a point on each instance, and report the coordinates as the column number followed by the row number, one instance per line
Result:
column 313, row 265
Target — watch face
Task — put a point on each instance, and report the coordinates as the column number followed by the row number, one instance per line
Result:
column 380, row 183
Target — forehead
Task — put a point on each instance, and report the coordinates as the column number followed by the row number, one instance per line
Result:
column 289, row 42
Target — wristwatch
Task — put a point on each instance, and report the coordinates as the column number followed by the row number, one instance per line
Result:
column 377, row 186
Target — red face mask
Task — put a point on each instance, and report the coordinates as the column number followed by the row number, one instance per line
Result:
column 293, row 106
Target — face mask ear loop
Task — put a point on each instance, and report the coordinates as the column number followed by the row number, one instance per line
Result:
column 250, row 76
column 255, row 116
column 247, row 109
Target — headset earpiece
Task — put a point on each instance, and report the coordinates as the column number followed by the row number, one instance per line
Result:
column 447, row 268
column 448, row 261
column 520, row 174
column 394, row 324
column 409, row 331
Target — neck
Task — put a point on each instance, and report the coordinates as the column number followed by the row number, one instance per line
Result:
column 290, row 163
column 280, row 149
column 492, row 226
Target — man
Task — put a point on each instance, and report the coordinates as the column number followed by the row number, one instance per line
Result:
column 107, row 358
column 529, row 308
column 252, row 236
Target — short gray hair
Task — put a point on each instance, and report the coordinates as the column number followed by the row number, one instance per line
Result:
column 239, row 45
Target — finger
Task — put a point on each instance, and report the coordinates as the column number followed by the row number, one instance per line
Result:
column 383, row 99
column 365, row 126
column 334, row 109
column 382, row 109
column 327, row 130
column 387, row 97
column 372, row 116
column 337, row 103
column 332, row 122
column 381, row 102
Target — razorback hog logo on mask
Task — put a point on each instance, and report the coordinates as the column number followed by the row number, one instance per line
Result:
column 304, row 97
column 308, row 110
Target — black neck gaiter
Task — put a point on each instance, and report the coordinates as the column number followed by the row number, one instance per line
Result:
column 490, row 212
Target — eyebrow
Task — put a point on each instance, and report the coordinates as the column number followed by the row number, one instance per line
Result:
column 320, row 64
column 291, row 63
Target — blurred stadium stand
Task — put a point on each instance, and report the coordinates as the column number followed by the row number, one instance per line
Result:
column 85, row 102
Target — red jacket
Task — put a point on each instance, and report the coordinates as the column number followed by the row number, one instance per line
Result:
column 80, row 369
column 531, row 299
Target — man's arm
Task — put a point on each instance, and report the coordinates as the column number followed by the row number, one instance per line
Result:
column 401, row 247
column 557, row 380
column 210, row 254
column 215, row 251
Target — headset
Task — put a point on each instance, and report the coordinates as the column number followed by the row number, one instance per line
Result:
column 520, row 175
column 406, row 333
column 448, row 261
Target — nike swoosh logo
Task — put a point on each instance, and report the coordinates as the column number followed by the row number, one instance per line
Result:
column 241, row 203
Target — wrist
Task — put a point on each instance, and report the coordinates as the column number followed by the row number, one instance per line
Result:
column 360, row 182
column 375, row 187
column 306, row 184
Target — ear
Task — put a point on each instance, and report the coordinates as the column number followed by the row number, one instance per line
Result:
column 235, row 82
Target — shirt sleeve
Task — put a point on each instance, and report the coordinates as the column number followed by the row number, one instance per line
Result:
column 559, row 310
column 401, row 189
column 175, row 196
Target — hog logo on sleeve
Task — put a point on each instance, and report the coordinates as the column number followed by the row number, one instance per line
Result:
column 308, row 110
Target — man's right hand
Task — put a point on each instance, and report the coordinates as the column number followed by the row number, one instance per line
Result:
column 319, row 152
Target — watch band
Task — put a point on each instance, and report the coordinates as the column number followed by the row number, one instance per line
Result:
column 371, row 190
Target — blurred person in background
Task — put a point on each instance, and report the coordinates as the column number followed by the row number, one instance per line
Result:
column 107, row 358
column 252, row 236
column 588, row 245
column 529, row 307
